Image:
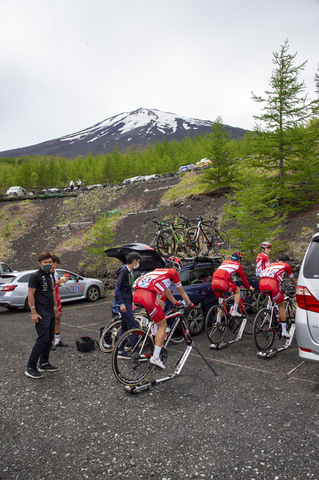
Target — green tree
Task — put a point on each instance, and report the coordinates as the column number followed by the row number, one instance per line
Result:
column 286, row 108
column 218, row 153
column 250, row 211
column 101, row 235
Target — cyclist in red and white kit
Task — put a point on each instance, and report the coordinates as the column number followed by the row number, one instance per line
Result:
column 148, row 288
column 272, row 276
column 262, row 259
column 222, row 280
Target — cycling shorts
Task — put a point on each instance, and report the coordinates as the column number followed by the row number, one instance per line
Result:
column 148, row 300
column 272, row 285
column 226, row 286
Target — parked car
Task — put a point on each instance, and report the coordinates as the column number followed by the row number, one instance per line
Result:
column 14, row 288
column 307, row 296
column 204, row 162
column 186, row 168
column 4, row 268
column 16, row 192
column 196, row 277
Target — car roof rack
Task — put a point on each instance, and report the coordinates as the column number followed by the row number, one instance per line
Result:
column 202, row 259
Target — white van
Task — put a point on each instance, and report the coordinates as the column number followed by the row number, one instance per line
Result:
column 307, row 295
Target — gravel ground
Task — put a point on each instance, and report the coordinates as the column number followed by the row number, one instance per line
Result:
column 258, row 420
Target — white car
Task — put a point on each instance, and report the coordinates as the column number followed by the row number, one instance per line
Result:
column 307, row 295
column 17, row 192
column 14, row 288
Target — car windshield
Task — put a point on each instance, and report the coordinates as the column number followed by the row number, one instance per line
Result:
column 311, row 265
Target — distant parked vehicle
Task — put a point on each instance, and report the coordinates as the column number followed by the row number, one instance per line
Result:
column 50, row 190
column 186, row 168
column 204, row 162
column 92, row 187
column 16, row 192
column 14, row 288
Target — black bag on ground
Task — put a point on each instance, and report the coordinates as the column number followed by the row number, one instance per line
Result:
column 85, row 344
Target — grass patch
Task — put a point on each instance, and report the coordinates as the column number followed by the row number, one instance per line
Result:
column 190, row 184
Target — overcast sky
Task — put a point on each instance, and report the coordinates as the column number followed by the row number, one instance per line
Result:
column 68, row 64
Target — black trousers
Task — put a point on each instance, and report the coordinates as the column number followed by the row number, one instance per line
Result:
column 45, row 331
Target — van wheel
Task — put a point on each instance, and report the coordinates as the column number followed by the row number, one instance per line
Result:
column 93, row 294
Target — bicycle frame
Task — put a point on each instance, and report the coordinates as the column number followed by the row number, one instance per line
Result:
column 272, row 306
column 179, row 320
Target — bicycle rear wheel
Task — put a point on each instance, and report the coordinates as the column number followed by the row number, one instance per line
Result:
column 165, row 243
column 264, row 334
column 131, row 355
column 216, row 324
column 193, row 244
column 109, row 335
column 220, row 241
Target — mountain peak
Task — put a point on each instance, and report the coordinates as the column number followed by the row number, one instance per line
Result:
column 128, row 129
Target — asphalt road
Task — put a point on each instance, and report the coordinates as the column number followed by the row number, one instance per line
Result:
column 258, row 420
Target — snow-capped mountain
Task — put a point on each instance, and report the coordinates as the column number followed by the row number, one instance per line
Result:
column 129, row 129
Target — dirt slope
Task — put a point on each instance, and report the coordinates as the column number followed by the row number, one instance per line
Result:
column 40, row 232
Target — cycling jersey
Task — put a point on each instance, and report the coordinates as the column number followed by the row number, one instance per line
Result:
column 262, row 261
column 159, row 280
column 227, row 269
column 277, row 270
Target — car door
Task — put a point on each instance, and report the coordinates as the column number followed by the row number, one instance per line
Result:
column 73, row 288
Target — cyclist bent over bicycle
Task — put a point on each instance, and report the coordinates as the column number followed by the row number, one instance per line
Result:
column 156, row 283
column 270, row 281
column 222, row 280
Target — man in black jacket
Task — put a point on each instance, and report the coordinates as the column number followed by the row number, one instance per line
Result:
column 123, row 291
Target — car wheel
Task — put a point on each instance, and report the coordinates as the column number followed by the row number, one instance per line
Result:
column 195, row 320
column 93, row 293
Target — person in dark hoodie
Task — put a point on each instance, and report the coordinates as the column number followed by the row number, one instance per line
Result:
column 123, row 291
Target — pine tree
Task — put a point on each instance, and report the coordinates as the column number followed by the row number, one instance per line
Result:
column 250, row 211
column 218, row 153
column 285, row 109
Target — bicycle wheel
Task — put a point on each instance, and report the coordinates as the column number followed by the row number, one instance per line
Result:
column 109, row 335
column 193, row 244
column 264, row 334
column 220, row 241
column 216, row 324
column 131, row 354
column 179, row 237
column 165, row 243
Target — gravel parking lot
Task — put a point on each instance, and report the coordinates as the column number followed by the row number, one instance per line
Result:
column 258, row 420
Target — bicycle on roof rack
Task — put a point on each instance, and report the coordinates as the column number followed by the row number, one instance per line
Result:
column 133, row 350
column 206, row 237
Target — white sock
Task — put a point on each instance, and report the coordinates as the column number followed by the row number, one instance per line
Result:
column 284, row 327
column 157, row 351
column 57, row 338
column 235, row 306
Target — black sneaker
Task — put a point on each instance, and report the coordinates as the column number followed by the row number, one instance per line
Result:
column 33, row 373
column 61, row 344
column 47, row 367
column 53, row 347
column 122, row 354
